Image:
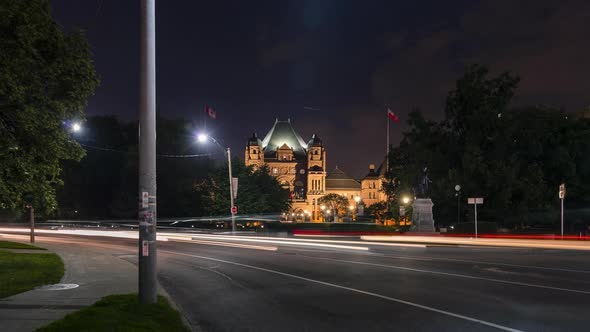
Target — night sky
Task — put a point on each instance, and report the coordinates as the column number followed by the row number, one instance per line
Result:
column 330, row 66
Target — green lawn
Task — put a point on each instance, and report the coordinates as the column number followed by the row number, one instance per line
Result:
column 16, row 245
column 20, row 272
column 121, row 313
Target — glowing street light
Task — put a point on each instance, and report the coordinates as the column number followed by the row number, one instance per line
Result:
column 357, row 199
column 406, row 200
column 351, row 207
column 76, row 127
column 323, row 207
column 202, row 138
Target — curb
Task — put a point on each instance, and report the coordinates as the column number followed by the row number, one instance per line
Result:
column 194, row 327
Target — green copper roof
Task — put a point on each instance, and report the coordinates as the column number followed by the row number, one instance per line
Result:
column 282, row 132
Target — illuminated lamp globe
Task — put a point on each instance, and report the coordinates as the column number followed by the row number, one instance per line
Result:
column 202, row 138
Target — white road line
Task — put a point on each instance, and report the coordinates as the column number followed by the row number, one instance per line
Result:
column 483, row 262
column 448, row 313
column 453, row 275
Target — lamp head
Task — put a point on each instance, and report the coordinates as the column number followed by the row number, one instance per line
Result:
column 202, row 138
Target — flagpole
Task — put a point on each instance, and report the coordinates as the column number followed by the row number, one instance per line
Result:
column 205, row 119
column 387, row 148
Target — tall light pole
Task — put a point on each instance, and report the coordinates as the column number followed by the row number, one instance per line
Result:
column 202, row 138
column 147, row 154
column 231, row 193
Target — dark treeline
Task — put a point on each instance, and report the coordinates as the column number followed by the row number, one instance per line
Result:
column 104, row 183
column 515, row 158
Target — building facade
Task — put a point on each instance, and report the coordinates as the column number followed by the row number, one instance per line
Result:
column 300, row 167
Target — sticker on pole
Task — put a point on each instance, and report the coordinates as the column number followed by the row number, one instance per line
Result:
column 145, row 248
column 145, row 199
column 234, row 210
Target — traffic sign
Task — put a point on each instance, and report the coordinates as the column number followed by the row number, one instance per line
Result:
column 234, row 185
column 562, row 191
column 234, row 210
column 475, row 200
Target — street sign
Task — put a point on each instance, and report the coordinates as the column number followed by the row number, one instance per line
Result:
column 234, row 210
column 475, row 200
column 562, row 198
column 145, row 199
column 402, row 211
column 562, row 191
column 234, row 184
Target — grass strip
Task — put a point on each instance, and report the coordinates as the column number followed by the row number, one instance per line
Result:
column 17, row 245
column 124, row 312
column 20, row 272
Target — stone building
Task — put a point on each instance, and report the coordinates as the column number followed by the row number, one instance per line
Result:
column 300, row 167
column 371, row 185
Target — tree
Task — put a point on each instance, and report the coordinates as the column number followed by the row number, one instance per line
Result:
column 258, row 191
column 338, row 204
column 46, row 77
column 513, row 157
column 378, row 211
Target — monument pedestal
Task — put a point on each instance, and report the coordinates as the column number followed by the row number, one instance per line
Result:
column 422, row 220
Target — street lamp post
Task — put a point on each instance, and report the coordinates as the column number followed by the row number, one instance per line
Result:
column 202, row 138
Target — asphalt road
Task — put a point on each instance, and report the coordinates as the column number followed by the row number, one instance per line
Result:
column 225, row 285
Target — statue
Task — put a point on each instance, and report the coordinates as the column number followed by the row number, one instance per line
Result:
column 424, row 182
column 422, row 218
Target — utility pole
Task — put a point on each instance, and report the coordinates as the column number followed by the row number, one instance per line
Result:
column 231, row 193
column 147, row 154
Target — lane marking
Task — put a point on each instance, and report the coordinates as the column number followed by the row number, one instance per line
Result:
column 453, row 275
column 484, row 262
column 440, row 311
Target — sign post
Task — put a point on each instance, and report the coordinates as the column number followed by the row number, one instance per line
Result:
column 475, row 201
column 562, row 198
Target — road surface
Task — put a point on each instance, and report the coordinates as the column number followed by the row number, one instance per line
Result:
column 255, row 284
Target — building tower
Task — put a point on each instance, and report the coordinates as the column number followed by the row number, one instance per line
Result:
column 254, row 152
column 316, row 174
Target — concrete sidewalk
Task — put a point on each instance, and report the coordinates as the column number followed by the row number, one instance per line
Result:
column 97, row 273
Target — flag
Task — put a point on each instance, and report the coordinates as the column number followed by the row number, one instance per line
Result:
column 210, row 112
column 392, row 115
